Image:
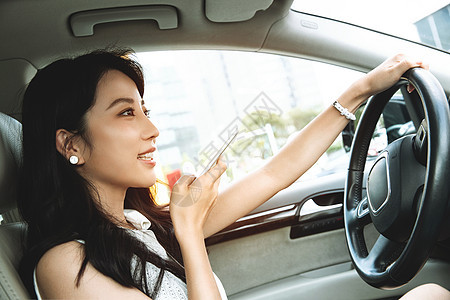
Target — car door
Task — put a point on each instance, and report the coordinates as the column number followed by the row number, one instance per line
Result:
column 294, row 247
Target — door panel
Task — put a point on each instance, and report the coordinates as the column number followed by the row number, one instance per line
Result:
column 270, row 265
column 341, row 285
column 262, row 258
column 272, row 244
column 269, row 256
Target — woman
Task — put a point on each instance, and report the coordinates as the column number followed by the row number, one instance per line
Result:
column 429, row 291
column 87, row 156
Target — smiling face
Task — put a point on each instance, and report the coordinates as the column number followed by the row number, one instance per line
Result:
column 122, row 138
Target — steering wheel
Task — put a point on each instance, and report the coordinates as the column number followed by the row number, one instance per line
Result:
column 407, row 188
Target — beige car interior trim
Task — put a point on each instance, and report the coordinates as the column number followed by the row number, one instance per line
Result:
column 83, row 23
column 262, row 258
column 11, row 286
column 341, row 284
column 14, row 77
column 225, row 11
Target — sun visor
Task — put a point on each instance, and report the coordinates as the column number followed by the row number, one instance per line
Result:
column 227, row 11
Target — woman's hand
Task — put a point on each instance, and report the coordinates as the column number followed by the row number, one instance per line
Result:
column 387, row 74
column 192, row 200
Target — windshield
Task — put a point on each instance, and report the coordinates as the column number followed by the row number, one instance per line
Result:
column 427, row 22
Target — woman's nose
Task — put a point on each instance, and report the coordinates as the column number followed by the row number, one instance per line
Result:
column 149, row 130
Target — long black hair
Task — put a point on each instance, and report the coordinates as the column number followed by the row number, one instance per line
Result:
column 58, row 204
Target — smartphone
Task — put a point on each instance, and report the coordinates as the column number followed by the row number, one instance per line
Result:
column 213, row 161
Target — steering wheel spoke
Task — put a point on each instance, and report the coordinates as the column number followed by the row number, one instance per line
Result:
column 421, row 143
column 383, row 254
column 363, row 213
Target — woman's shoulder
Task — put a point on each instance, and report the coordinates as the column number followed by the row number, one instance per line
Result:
column 74, row 247
column 57, row 271
column 69, row 255
column 58, row 268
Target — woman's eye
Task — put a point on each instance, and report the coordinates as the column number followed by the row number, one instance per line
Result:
column 147, row 113
column 128, row 112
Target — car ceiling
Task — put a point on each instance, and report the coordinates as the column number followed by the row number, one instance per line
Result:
column 40, row 30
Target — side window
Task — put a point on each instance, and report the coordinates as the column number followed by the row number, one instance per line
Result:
column 394, row 123
column 197, row 98
column 396, row 118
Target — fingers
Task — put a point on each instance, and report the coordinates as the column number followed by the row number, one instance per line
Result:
column 423, row 65
column 408, row 63
column 405, row 62
column 184, row 181
column 182, row 194
column 191, row 188
column 217, row 170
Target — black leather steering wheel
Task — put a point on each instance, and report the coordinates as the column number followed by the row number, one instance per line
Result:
column 407, row 188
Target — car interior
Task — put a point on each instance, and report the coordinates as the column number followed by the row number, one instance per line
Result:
column 283, row 249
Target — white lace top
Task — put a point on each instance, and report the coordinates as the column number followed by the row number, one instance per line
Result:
column 172, row 288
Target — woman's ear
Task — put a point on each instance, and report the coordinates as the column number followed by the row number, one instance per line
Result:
column 69, row 145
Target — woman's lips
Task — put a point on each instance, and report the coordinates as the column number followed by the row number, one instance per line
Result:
column 147, row 158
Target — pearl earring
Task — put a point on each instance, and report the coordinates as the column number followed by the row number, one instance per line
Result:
column 73, row 160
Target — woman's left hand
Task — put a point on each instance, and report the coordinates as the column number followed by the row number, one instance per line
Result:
column 387, row 74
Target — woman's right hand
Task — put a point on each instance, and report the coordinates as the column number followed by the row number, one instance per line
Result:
column 192, row 199
column 190, row 204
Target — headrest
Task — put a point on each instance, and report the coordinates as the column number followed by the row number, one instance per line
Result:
column 10, row 160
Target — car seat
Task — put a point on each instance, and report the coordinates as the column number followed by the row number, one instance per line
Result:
column 12, row 230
